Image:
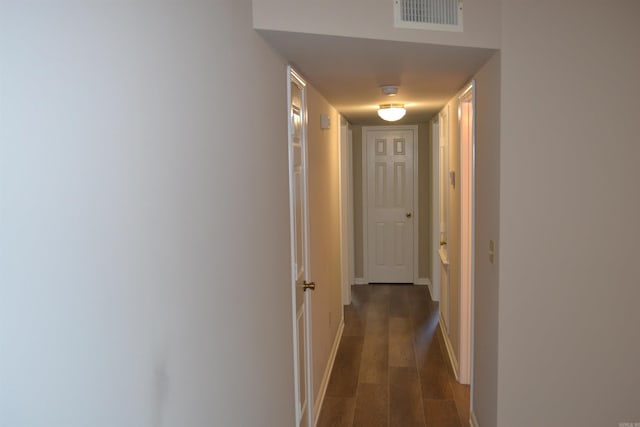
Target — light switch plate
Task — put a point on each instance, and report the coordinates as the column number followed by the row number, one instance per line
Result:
column 492, row 251
column 325, row 121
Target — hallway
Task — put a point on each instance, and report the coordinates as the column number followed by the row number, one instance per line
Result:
column 391, row 368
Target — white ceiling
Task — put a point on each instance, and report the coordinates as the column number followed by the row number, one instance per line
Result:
column 350, row 71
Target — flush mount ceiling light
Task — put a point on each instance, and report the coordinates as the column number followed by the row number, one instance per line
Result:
column 389, row 90
column 391, row 112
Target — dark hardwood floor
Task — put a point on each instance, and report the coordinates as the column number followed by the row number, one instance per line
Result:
column 391, row 369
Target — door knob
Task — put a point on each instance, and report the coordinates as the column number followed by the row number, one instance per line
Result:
column 309, row 285
column 408, row 214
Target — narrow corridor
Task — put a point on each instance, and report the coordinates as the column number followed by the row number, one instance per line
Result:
column 391, row 368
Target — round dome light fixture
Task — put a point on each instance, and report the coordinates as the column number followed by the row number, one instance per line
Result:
column 391, row 112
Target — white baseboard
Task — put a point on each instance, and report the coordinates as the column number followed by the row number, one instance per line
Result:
column 452, row 355
column 473, row 421
column 317, row 406
column 360, row 281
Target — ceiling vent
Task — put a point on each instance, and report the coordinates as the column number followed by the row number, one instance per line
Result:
column 439, row 15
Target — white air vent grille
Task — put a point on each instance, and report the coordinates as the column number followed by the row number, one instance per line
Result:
column 443, row 15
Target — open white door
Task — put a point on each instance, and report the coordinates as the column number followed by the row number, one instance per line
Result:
column 443, row 207
column 300, row 248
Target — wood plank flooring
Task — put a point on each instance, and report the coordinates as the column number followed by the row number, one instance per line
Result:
column 391, row 369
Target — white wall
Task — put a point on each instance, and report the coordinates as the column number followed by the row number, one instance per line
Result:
column 324, row 233
column 569, row 342
column 487, row 227
column 373, row 19
column 144, row 247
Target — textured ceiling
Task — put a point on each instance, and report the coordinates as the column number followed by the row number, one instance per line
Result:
column 350, row 71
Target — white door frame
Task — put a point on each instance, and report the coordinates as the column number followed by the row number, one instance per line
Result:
column 365, row 202
column 434, row 286
column 352, row 227
column 292, row 76
column 467, row 233
column 344, row 143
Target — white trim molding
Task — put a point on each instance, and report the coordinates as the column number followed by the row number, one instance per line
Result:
column 452, row 355
column 416, row 204
column 352, row 227
column 466, row 125
column 317, row 406
column 473, row 421
column 423, row 281
column 435, row 209
column 432, row 290
column 360, row 281
column 345, row 209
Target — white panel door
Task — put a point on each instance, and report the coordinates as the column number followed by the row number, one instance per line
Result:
column 444, row 182
column 390, row 205
column 300, row 250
